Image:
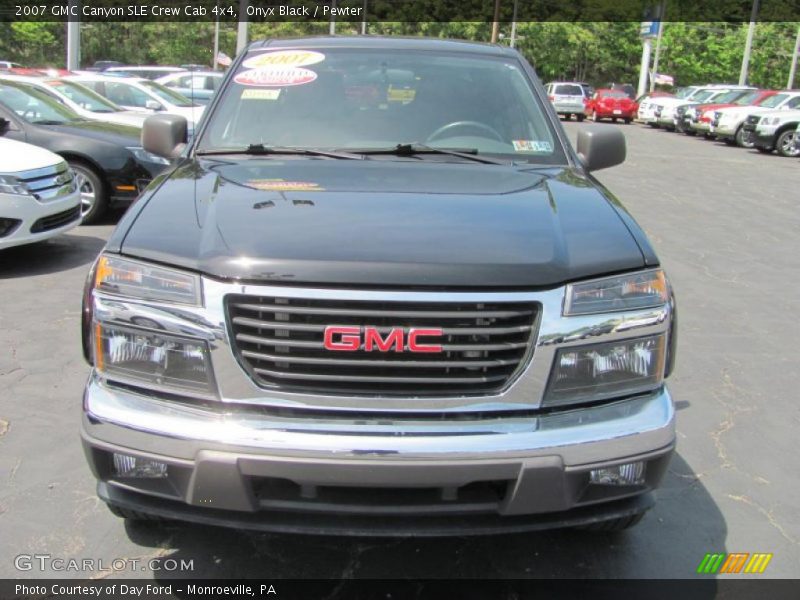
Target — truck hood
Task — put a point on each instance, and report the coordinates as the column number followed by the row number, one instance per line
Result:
column 19, row 156
column 383, row 223
column 787, row 115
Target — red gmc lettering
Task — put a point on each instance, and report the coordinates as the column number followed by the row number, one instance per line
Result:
column 373, row 336
column 414, row 346
column 349, row 338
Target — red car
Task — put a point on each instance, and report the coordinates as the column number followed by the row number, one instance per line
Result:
column 610, row 104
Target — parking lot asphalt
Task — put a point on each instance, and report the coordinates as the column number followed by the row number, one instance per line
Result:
column 725, row 223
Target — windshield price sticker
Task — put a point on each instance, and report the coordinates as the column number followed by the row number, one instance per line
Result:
column 284, row 58
column 257, row 94
column 272, row 77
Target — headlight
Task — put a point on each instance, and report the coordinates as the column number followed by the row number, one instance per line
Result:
column 134, row 279
column 607, row 370
column 12, row 185
column 154, row 359
column 645, row 289
column 144, row 155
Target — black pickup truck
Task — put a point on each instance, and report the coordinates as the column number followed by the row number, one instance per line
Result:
column 379, row 293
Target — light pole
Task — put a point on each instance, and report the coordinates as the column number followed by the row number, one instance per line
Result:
column 748, row 45
column 662, row 11
column 74, row 38
column 496, row 22
column 514, row 26
column 793, row 68
column 216, row 40
column 241, row 32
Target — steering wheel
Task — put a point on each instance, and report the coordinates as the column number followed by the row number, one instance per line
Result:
column 439, row 133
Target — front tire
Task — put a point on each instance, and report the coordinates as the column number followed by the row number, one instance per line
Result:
column 741, row 141
column 785, row 144
column 94, row 195
column 764, row 150
column 627, row 121
column 580, row 118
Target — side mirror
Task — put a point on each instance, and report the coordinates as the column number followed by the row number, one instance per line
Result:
column 164, row 135
column 5, row 125
column 600, row 147
column 153, row 105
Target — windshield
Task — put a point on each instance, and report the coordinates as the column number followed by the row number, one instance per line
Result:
column 35, row 106
column 167, row 94
column 371, row 99
column 728, row 96
column 568, row 90
column 684, row 92
column 774, row 101
column 747, row 98
column 83, row 96
column 702, row 96
column 612, row 94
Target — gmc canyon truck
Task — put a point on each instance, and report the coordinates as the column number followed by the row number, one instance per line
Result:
column 379, row 293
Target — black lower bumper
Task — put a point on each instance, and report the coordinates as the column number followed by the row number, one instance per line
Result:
column 751, row 136
column 410, row 525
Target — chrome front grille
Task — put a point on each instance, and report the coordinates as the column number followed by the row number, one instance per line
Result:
column 280, row 343
column 49, row 183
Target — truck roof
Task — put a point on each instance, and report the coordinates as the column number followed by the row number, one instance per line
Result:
column 389, row 43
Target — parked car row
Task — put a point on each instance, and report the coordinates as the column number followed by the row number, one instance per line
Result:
column 737, row 115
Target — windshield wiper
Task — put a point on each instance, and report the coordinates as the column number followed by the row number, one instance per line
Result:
column 261, row 149
column 415, row 148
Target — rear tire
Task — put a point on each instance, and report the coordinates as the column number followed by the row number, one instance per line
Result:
column 764, row 150
column 613, row 525
column 580, row 118
column 627, row 121
column 94, row 194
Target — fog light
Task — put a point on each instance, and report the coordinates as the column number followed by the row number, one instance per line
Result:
column 131, row 466
column 627, row 474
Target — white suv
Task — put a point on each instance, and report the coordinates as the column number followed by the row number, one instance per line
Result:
column 728, row 123
column 38, row 195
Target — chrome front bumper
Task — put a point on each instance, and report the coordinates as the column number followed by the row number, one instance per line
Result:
column 215, row 455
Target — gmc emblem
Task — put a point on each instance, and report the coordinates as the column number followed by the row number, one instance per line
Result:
column 350, row 339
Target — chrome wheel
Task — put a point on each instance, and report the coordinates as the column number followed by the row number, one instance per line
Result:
column 786, row 144
column 88, row 191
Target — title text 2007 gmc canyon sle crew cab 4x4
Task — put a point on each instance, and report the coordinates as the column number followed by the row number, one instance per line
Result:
column 379, row 293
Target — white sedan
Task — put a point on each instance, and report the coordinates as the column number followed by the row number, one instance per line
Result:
column 142, row 95
column 38, row 194
column 83, row 100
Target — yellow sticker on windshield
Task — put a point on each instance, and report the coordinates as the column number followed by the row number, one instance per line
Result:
column 404, row 95
column 257, row 94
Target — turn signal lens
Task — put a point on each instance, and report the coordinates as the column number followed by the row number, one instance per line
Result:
column 646, row 289
column 135, row 279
